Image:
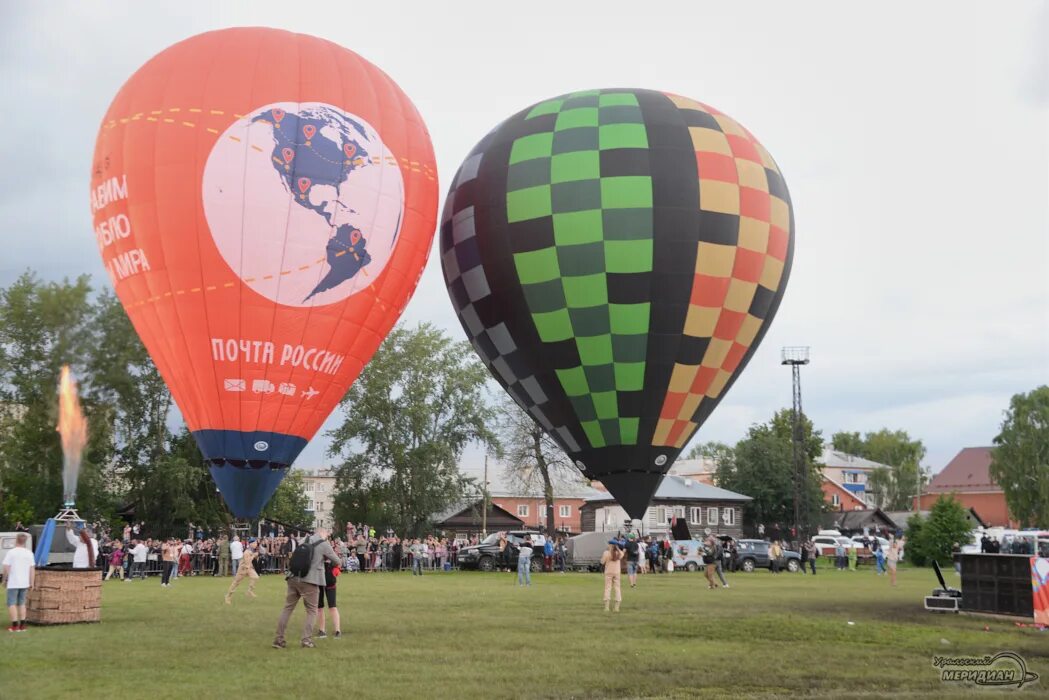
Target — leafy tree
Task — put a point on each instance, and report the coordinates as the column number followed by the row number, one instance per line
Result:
column 418, row 403
column 762, row 467
column 176, row 490
column 42, row 327
column 1020, row 463
column 716, row 452
column 289, row 501
column 933, row 538
column 533, row 461
column 894, row 486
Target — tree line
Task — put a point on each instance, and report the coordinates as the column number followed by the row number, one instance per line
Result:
column 405, row 423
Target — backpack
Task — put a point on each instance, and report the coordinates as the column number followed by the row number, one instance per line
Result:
column 301, row 560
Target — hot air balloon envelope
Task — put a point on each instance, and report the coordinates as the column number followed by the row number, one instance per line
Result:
column 264, row 203
column 615, row 257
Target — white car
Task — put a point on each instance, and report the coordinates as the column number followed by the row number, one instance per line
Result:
column 827, row 545
column 858, row 541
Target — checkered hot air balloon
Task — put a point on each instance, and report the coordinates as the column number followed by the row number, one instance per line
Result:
column 615, row 257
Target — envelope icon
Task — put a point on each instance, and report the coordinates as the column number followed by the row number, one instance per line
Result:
column 234, row 385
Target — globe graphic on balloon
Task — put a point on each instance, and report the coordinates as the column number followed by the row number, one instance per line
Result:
column 333, row 200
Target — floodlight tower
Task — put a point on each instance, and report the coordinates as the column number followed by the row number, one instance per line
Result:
column 797, row 356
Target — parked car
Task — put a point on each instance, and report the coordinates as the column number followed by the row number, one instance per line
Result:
column 858, row 541
column 754, row 554
column 827, row 545
column 485, row 556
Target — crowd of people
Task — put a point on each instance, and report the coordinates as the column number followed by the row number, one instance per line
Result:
column 130, row 554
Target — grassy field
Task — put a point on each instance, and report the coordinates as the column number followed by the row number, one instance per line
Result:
column 477, row 635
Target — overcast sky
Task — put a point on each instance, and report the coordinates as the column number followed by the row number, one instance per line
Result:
column 914, row 138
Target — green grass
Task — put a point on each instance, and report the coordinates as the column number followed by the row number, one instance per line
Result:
column 476, row 635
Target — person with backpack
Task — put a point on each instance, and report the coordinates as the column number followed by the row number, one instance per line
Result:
column 632, row 559
column 327, row 594
column 710, row 558
column 548, row 555
column 305, row 579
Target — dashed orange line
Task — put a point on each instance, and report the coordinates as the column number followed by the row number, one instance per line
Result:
column 425, row 169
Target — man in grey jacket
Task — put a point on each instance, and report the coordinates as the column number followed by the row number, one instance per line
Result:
column 307, row 588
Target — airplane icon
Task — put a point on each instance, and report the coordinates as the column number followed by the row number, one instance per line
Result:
column 310, row 393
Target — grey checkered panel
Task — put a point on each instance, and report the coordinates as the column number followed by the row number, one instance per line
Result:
column 467, row 283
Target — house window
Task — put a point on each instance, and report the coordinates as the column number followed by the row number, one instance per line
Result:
column 565, row 511
column 712, row 516
column 661, row 516
column 728, row 516
column 309, row 485
column 679, row 512
column 695, row 515
column 309, row 505
column 834, row 500
column 522, row 511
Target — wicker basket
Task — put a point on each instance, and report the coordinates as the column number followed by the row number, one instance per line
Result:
column 62, row 595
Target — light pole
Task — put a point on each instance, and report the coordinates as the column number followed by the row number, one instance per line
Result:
column 796, row 357
column 484, row 502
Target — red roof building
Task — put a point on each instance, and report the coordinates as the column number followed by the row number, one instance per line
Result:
column 968, row 478
column 840, row 498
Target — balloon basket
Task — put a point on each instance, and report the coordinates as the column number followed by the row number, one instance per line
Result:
column 63, row 596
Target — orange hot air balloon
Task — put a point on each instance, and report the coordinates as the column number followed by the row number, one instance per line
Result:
column 264, row 203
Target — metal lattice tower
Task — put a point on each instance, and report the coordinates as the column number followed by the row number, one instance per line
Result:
column 796, row 357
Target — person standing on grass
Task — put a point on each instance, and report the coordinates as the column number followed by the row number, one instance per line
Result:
column 809, row 552
column 548, row 554
column 710, row 559
column 879, row 557
column 139, row 556
column 116, row 561
column 223, row 547
column 852, row 555
column 611, row 560
column 306, row 588
column 327, row 594
column 236, row 553
column 719, row 559
column 524, row 563
column 631, row 559
column 892, row 558
column 168, row 554
column 19, row 569
column 246, row 571
column 775, row 552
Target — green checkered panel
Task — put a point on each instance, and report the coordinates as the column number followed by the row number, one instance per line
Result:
column 602, row 225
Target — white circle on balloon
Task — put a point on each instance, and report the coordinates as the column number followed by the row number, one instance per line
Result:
column 261, row 446
column 661, row 460
column 304, row 202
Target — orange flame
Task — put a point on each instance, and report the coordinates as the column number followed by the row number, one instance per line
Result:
column 72, row 426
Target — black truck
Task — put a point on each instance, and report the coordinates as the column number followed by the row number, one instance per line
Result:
column 485, row 556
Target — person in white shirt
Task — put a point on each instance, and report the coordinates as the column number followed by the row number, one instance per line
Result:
column 19, row 573
column 524, row 563
column 86, row 547
column 236, row 553
column 185, row 561
column 139, row 553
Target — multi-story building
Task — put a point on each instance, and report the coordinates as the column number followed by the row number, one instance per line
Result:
column 319, row 487
column 849, row 473
column 698, row 504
